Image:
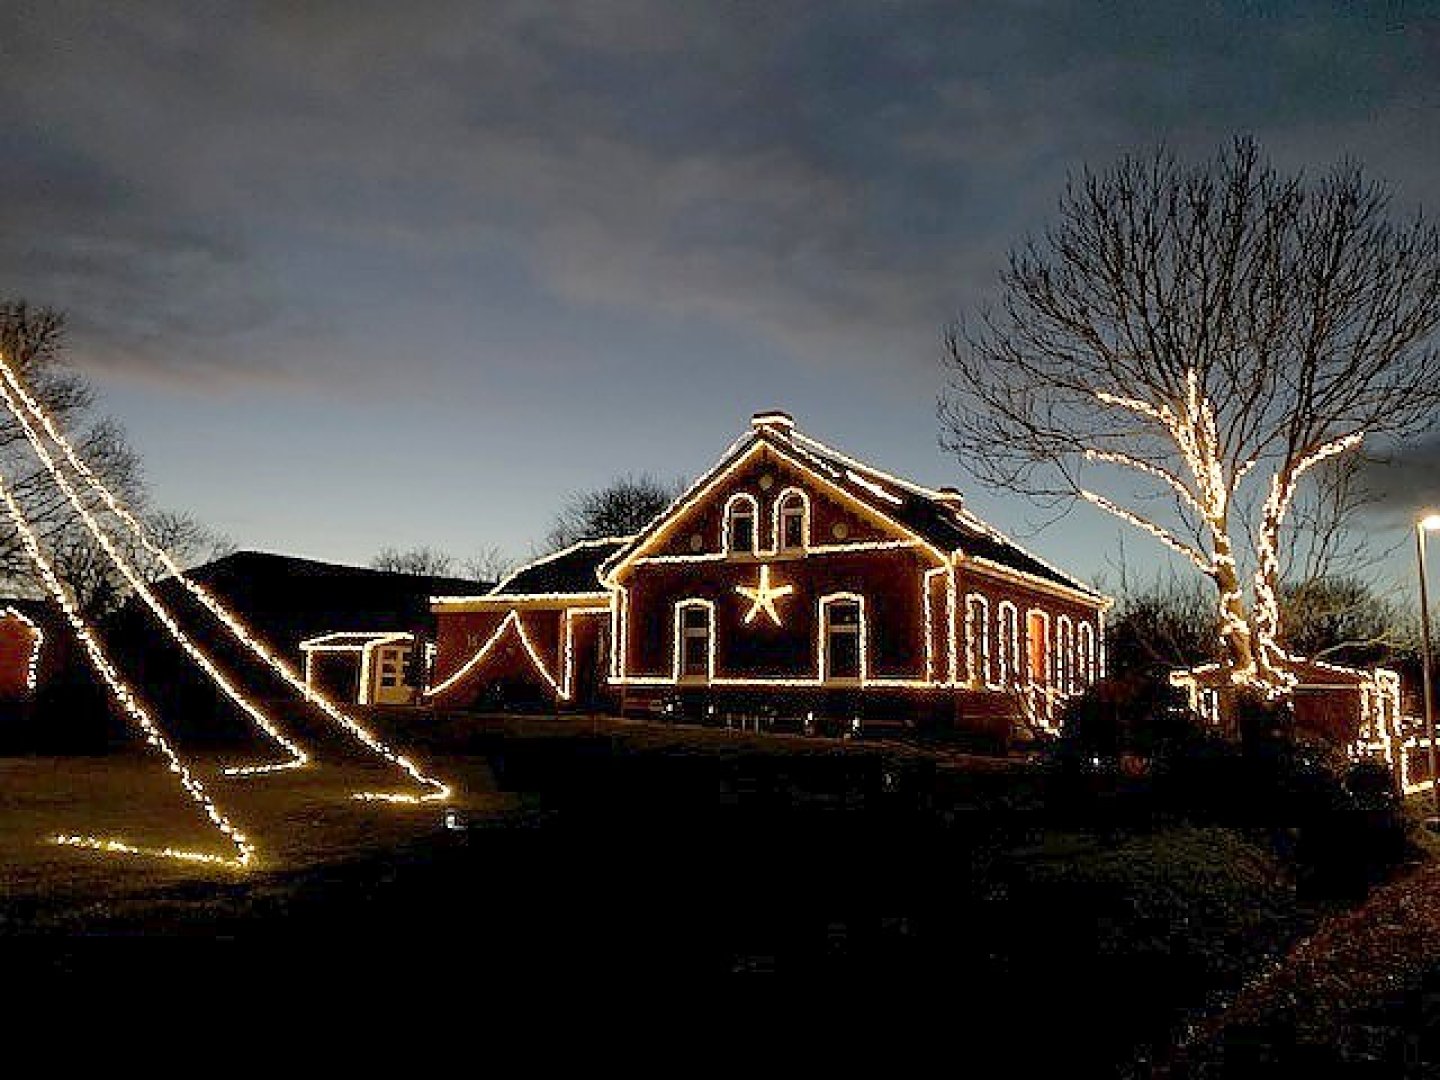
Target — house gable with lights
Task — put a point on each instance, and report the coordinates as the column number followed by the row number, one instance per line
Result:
column 794, row 574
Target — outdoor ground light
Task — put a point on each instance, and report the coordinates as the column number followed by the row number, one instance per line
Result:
column 1428, row 523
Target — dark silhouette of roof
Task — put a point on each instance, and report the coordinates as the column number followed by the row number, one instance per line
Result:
column 288, row 599
column 573, row 570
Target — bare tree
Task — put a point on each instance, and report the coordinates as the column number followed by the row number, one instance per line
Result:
column 622, row 507
column 1218, row 332
column 1166, row 624
column 489, row 566
column 1345, row 619
column 32, row 340
column 424, row 561
column 188, row 540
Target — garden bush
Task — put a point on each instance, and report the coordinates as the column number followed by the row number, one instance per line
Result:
column 1131, row 755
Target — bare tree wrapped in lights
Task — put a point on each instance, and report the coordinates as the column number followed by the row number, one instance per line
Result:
column 1223, row 333
column 33, row 341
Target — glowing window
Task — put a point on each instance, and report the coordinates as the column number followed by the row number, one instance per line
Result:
column 1037, row 645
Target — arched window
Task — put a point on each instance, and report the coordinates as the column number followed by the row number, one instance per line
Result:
column 1065, row 655
column 1085, row 652
column 792, row 520
column 1037, row 646
column 977, row 639
column 1008, row 620
column 741, row 512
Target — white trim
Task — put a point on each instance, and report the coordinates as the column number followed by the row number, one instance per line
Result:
column 781, row 554
column 456, row 604
column 985, row 565
column 663, row 523
column 822, row 643
column 728, row 515
column 1085, row 651
column 777, row 514
column 1065, row 654
column 1046, row 704
column 1010, row 652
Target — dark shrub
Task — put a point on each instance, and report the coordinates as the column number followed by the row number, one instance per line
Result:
column 1339, row 823
column 1134, row 716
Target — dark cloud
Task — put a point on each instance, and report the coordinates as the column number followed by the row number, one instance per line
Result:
column 831, row 178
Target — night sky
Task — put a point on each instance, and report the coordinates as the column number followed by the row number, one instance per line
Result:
column 356, row 275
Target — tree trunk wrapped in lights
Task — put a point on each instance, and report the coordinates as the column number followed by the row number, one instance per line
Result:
column 1223, row 334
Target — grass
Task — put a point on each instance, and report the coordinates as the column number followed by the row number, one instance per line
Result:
column 297, row 820
column 604, row 847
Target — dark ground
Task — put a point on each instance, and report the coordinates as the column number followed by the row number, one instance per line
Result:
column 611, row 852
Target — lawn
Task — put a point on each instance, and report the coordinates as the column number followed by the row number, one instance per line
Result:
column 297, row 820
column 599, row 848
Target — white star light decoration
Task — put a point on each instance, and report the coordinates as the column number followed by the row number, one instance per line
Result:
column 763, row 596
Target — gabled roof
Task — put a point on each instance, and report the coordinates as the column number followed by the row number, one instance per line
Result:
column 286, row 599
column 937, row 518
column 573, row 571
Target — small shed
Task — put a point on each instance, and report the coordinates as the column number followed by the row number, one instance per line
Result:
column 363, row 667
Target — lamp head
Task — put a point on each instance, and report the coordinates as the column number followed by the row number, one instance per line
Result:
column 1430, row 523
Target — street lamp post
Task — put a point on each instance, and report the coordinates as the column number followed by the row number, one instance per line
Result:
column 1424, row 525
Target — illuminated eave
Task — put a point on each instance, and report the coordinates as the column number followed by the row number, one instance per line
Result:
column 557, row 601
column 1033, row 581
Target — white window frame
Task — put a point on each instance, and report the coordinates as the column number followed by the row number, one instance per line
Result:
column 682, row 633
column 861, row 631
column 752, row 511
column 790, row 501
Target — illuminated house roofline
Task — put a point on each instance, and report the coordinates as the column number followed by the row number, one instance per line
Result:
column 934, row 518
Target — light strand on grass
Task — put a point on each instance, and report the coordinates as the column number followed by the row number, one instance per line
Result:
column 127, row 700
column 439, row 790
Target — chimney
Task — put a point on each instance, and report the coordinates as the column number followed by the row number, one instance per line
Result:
column 951, row 497
column 775, row 420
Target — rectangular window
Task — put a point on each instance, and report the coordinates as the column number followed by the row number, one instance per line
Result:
column 792, row 529
column 842, row 640
column 694, row 642
column 1037, row 641
column 742, row 533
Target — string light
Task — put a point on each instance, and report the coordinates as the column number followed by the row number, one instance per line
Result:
column 803, row 454
column 511, row 621
column 297, row 756
column 439, row 791
column 677, row 662
column 1194, row 429
column 977, row 640
column 788, row 499
column 130, row 703
column 763, row 595
column 370, row 641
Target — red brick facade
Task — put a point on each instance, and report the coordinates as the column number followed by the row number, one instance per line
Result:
column 792, row 573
